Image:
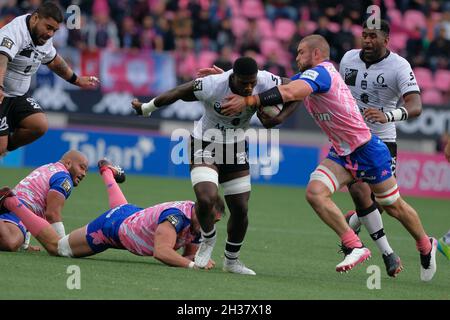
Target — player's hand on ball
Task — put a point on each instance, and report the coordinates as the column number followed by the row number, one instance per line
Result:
column 374, row 115
column 137, row 106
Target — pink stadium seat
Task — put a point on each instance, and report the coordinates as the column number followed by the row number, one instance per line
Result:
column 432, row 96
column 269, row 45
column 397, row 41
column 334, row 27
column 390, row 4
column 284, row 29
column 424, row 78
column 413, row 18
column 310, row 26
column 239, row 26
column 265, row 27
column 252, row 9
column 442, row 80
column 206, row 59
column 235, row 7
column 357, row 30
column 395, row 17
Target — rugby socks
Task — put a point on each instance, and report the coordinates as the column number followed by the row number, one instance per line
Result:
column 371, row 219
column 351, row 240
column 209, row 235
column 354, row 222
column 424, row 245
column 232, row 250
column 34, row 223
column 115, row 195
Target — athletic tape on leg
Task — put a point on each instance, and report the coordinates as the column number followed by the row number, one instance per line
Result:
column 204, row 174
column 388, row 197
column 324, row 175
column 237, row 186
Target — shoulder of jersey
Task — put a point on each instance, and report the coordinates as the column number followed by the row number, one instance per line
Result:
column 220, row 78
column 395, row 59
column 351, row 54
column 17, row 23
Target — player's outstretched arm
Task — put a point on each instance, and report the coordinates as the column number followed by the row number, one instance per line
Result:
column 164, row 244
column 296, row 90
column 62, row 69
column 183, row 92
column 53, row 212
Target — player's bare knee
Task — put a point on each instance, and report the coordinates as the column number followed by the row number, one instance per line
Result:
column 391, row 201
column 315, row 193
column 206, row 200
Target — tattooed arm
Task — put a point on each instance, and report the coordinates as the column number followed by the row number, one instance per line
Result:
column 60, row 67
column 3, row 65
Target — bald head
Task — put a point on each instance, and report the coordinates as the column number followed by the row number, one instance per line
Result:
column 73, row 155
column 77, row 165
column 316, row 41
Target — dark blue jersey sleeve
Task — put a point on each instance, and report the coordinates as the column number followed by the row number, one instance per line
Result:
column 318, row 78
column 175, row 217
column 61, row 182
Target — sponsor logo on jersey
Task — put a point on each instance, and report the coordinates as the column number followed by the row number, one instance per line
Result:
column 364, row 84
column 7, row 43
column 217, row 107
column 322, row 116
column 198, row 85
column 173, row 220
column 310, row 74
column 350, row 76
column 66, row 185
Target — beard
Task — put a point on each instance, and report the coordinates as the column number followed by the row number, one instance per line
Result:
column 305, row 66
column 38, row 40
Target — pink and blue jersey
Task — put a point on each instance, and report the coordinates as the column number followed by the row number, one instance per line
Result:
column 133, row 228
column 33, row 190
column 334, row 109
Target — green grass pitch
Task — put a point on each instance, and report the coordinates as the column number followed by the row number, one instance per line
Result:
column 293, row 253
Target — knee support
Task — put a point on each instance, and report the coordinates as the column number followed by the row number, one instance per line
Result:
column 204, row 174
column 237, row 186
column 324, row 175
column 388, row 197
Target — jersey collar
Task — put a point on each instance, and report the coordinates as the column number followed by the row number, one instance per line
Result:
column 368, row 64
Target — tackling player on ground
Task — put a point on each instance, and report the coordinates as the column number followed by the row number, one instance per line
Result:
column 356, row 153
column 25, row 43
column 216, row 139
column 156, row 231
column 44, row 191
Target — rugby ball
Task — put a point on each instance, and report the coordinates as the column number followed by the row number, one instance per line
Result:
column 272, row 111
